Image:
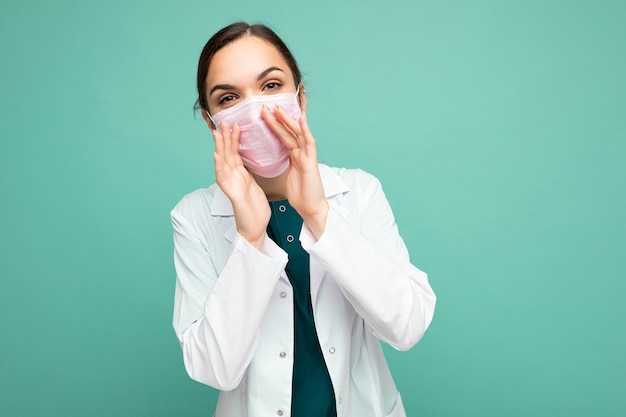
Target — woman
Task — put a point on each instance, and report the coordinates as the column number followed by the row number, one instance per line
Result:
column 289, row 272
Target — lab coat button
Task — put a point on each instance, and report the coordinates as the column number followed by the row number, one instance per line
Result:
column 282, row 208
column 289, row 238
column 279, row 412
column 283, row 294
column 340, row 399
column 331, row 350
column 283, row 354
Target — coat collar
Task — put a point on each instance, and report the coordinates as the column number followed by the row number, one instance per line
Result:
column 332, row 183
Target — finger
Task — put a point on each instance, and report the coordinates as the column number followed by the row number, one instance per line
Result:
column 221, row 169
column 234, row 146
column 234, row 139
column 292, row 125
column 285, row 135
column 306, row 131
column 219, row 165
column 285, row 119
column 227, row 135
column 219, row 142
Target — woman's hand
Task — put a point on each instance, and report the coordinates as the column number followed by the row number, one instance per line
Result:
column 251, row 209
column 304, row 184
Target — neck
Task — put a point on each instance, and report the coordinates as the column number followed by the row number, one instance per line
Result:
column 274, row 188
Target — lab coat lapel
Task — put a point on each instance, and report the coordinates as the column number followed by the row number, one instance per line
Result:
column 230, row 233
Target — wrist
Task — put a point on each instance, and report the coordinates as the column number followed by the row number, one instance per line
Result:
column 256, row 242
column 317, row 222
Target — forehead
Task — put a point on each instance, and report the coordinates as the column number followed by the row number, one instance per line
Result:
column 243, row 60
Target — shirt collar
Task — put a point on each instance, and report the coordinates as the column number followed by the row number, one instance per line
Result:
column 332, row 183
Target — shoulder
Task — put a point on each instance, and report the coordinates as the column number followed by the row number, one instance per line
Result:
column 350, row 176
column 354, row 180
column 198, row 202
column 203, row 213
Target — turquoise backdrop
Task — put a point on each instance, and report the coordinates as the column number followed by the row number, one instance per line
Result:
column 498, row 130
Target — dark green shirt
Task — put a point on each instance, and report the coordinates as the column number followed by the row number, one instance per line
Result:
column 312, row 390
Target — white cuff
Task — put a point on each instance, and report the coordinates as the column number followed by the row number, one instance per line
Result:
column 270, row 248
column 308, row 239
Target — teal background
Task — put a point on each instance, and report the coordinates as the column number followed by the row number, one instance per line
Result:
column 498, row 130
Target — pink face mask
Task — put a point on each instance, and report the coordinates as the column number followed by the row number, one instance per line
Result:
column 260, row 149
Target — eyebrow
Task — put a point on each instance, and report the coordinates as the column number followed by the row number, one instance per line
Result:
column 267, row 71
column 232, row 87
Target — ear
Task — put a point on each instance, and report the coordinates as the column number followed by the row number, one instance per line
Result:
column 207, row 120
column 302, row 98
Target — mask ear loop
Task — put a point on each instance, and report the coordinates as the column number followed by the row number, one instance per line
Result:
column 212, row 121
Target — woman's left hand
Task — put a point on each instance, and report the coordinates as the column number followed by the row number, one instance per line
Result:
column 304, row 184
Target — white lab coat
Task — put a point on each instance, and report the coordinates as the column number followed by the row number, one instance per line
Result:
column 233, row 312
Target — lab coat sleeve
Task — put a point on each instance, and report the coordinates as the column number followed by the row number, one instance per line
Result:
column 371, row 265
column 217, row 314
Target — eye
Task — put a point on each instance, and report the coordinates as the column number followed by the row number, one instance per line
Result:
column 226, row 99
column 272, row 85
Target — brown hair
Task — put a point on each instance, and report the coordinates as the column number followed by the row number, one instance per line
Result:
column 232, row 33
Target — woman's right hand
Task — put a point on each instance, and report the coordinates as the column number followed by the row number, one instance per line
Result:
column 250, row 205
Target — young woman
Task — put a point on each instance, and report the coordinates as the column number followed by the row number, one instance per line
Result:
column 289, row 272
